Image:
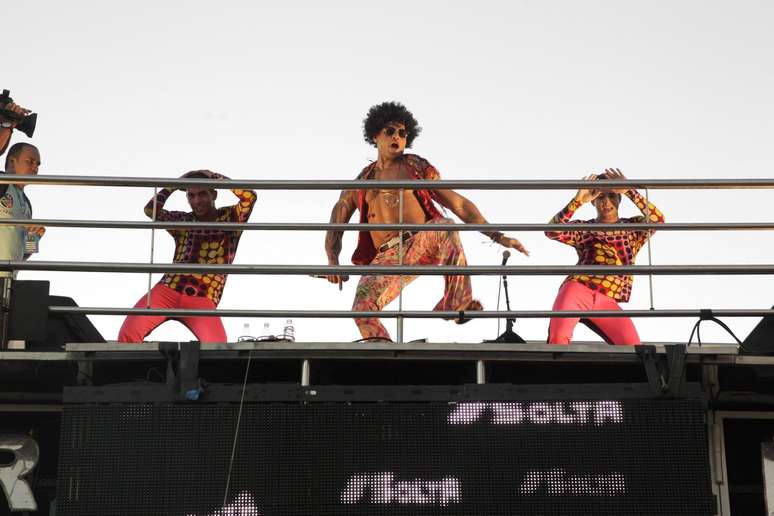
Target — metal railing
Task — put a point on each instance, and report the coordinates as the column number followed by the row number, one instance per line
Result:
column 400, row 270
column 410, row 184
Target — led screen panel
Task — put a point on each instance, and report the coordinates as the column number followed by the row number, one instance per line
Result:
column 573, row 457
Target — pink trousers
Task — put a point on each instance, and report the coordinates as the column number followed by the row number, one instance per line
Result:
column 574, row 296
column 206, row 329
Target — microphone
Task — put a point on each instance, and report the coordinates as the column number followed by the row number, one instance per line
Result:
column 508, row 335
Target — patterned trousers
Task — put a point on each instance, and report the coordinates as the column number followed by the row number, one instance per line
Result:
column 425, row 248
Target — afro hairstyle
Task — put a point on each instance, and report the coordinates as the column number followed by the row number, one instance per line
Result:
column 381, row 115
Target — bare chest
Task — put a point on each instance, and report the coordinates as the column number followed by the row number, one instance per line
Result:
column 384, row 204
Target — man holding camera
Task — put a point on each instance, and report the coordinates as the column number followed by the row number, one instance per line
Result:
column 18, row 242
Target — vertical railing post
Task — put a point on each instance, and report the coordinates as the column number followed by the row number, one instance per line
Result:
column 306, row 373
column 152, row 246
column 650, row 256
column 5, row 309
column 400, row 264
column 480, row 372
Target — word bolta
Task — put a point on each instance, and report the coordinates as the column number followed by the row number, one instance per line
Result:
column 541, row 413
column 382, row 489
column 558, row 482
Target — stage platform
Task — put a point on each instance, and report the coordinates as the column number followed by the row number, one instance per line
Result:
column 614, row 423
column 727, row 354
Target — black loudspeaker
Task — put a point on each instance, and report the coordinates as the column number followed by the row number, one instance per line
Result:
column 28, row 310
column 31, row 321
column 64, row 328
column 760, row 341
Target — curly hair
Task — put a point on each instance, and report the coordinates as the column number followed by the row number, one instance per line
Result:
column 380, row 115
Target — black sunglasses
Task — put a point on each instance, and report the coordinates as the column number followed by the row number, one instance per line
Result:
column 389, row 131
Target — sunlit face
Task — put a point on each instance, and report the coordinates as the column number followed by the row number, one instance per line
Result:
column 26, row 163
column 391, row 140
column 607, row 205
column 201, row 200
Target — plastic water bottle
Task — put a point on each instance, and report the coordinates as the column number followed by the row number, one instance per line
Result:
column 289, row 333
column 266, row 335
column 245, row 333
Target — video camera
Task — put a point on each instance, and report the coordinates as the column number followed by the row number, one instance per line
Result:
column 25, row 123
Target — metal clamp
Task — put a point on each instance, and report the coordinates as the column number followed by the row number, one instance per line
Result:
column 182, row 368
column 666, row 374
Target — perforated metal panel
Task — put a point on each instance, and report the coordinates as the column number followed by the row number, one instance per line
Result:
column 609, row 457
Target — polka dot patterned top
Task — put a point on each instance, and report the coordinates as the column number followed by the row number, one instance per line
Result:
column 203, row 246
column 606, row 247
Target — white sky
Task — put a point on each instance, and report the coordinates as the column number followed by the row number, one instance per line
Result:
column 519, row 89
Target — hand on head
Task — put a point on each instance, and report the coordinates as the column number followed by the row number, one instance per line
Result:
column 585, row 195
column 200, row 174
column 617, row 175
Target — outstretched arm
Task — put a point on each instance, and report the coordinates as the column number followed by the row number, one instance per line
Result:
column 341, row 213
column 468, row 212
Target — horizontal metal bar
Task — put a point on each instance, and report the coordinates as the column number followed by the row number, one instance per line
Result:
column 533, row 351
column 490, row 184
column 578, row 352
column 327, row 226
column 581, row 347
column 411, row 314
column 31, row 407
column 389, row 270
column 36, row 356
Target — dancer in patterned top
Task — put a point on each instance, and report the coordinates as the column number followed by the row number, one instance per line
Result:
column 600, row 292
column 390, row 127
column 204, row 246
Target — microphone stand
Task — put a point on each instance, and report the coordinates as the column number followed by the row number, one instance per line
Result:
column 508, row 335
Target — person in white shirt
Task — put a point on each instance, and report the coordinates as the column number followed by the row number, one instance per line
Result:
column 23, row 159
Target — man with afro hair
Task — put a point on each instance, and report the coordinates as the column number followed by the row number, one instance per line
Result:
column 391, row 128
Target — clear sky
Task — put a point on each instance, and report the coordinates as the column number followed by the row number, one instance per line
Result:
column 522, row 89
